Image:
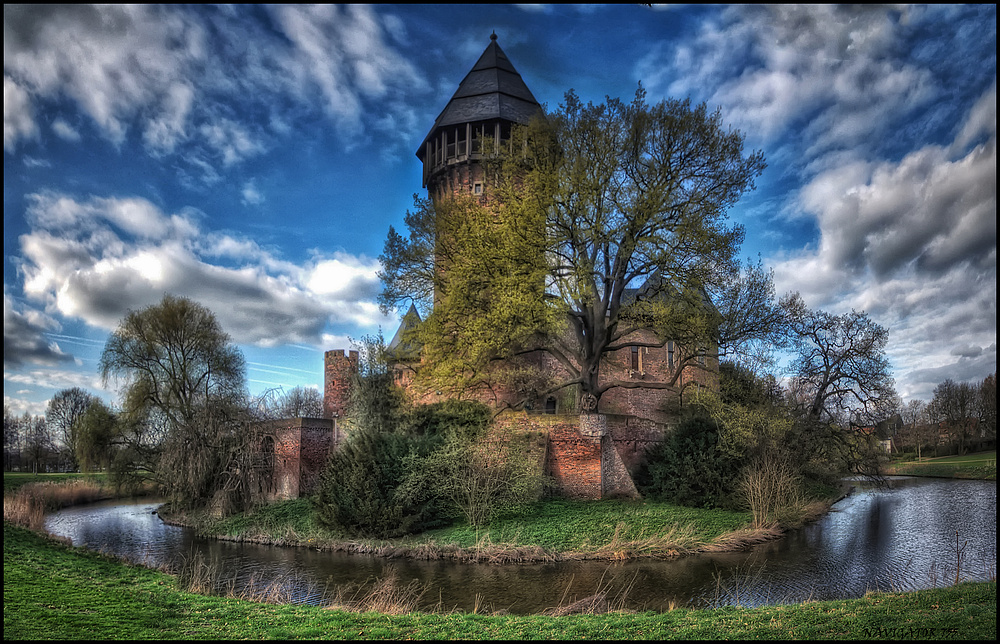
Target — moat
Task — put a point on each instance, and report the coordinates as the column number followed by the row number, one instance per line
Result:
column 907, row 537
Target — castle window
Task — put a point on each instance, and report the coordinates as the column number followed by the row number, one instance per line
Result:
column 477, row 188
column 636, row 363
column 670, row 354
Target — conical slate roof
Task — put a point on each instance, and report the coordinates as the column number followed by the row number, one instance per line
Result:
column 493, row 89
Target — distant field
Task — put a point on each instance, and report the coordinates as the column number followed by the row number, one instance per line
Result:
column 14, row 480
column 981, row 465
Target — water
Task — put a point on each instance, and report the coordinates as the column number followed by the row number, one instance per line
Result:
column 903, row 538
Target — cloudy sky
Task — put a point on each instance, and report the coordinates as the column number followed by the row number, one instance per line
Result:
column 252, row 158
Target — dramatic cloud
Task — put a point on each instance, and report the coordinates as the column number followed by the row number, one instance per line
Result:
column 914, row 244
column 97, row 259
column 24, row 337
column 171, row 75
column 770, row 67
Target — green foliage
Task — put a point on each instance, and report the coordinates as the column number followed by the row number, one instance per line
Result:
column 172, row 357
column 582, row 205
column 61, row 415
column 376, row 404
column 184, row 422
column 689, row 468
column 481, row 478
column 461, row 419
column 561, row 525
column 358, row 490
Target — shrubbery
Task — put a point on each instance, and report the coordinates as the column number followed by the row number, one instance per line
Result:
column 358, row 491
column 688, row 468
column 402, row 468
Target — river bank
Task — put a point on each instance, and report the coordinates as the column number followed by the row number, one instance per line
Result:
column 547, row 531
column 53, row 591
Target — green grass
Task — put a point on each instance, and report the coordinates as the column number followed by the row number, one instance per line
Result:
column 613, row 527
column 980, row 465
column 561, row 526
column 52, row 591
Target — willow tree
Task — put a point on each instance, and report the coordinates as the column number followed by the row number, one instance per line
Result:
column 183, row 421
column 598, row 220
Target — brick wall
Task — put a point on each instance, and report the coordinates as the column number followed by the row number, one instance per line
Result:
column 301, row 449
column 337, row 371
column 590, row 456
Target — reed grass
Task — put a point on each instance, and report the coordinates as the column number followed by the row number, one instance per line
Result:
column 27, row 504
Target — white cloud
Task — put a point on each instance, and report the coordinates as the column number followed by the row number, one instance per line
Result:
column 251, row 195
column 18, row 115
column 94, row 260
column 913, row 243
column 65, row 131
column 771, row 67
column 342, row 52
column 200, row 81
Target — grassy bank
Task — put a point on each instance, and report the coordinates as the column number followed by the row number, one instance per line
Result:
column 546, row 531
column 52, row 591
column 27, row 497
column 981, row 465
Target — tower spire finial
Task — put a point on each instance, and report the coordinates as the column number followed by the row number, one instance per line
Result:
column 493, row 36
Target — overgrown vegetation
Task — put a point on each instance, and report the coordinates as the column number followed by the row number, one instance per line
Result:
column 689, row 468
column 408, row 468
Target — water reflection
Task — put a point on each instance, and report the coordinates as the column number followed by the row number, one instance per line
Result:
column 902, row 538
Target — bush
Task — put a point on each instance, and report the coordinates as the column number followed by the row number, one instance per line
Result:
column 688, row 468
column 357, row 493
column 770, row 487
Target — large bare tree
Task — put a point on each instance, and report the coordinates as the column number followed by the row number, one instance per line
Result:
column 599, row 220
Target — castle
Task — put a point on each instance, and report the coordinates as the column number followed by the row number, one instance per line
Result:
column 589, row 453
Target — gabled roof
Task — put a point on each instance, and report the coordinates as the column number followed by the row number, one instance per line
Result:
column 493, row 89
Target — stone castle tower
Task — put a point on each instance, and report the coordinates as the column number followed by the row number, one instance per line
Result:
column 337, row 371
column 490, row 99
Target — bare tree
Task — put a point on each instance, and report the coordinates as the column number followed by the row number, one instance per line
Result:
column 955, row 405
column 301, row 402
column 842, row 383
column 64, row 410
column 918, row 431
column 988, row 406
column 38, row 447
column 11, row 440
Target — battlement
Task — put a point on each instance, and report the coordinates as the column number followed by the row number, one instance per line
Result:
column 337, row 371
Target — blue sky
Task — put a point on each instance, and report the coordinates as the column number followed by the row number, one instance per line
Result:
column 252, row 158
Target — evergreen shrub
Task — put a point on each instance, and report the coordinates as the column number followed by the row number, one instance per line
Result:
column 688, row 468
